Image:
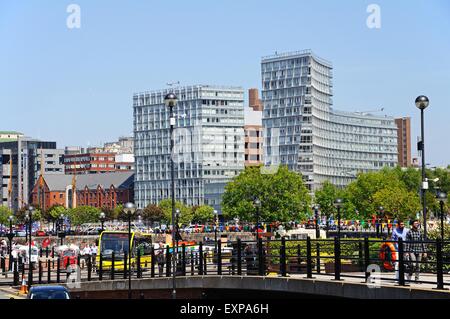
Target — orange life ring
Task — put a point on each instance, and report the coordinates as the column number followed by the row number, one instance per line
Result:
column 388, row 254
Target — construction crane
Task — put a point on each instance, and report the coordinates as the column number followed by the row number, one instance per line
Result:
column 370, row 111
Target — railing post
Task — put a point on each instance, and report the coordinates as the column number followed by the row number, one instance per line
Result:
column 192, row 264
column 183, row 259
column 439, row 264
column 49, row 271
column 366, row 258
column 138, row 261
column 89, row 268
column 100, row 267
column 152, row 265
column 16, row 273
column 46, row 252
column 401, row 263
column 318, row 257
column 239, row 257
column 200, row 261
column 40, row 271
column 40, row 252
column 205, row 263
column 58, row 267
column 125, row 265
column 78, row 260
column 113, row 265
column 219, row 257
column 308, row 258
column 299, row 255
column 282, row 258
column 261, row 266
column 360, row 255
column 168, row 261
column 337, row 258
column 3, row 264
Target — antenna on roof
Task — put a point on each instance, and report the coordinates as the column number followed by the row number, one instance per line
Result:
column 173, row 83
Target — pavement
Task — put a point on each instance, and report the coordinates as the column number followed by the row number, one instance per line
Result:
column 11, row 293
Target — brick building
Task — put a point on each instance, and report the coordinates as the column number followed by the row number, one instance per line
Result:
column 253, row 130
column 97, row 190
column 92, row 162
column 404, row 141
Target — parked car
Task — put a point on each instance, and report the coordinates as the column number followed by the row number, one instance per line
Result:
column 48, row 292
column 41, row 233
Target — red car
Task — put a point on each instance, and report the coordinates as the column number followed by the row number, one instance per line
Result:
column 41, row 233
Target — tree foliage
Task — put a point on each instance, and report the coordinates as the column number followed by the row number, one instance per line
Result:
column 202, row 214
column 83, row 214
column 185, row 211
column 152, row 213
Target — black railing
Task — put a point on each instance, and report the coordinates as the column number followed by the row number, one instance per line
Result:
column 399, row 263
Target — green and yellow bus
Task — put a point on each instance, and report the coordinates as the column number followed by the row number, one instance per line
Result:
column 117, row 242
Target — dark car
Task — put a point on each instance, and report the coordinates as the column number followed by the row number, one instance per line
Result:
column 48, row 292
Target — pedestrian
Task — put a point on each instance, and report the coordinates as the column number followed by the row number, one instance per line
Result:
column 159, row 255
column 415, row 247
column 399, row 232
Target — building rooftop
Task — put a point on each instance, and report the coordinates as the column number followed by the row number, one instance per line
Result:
column 292, row 54
column 92, row 181
column 191, row 87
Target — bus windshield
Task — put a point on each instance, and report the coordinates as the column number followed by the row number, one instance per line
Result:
column 114, row 242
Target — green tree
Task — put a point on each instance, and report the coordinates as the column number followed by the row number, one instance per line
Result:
column 203, row 214
column 83, row 214
column 398, row 202
column 325, row 197
column 185, row 211
column 36, row 216
column 283, row 196
column 5, row 212
column 54, row 212
column 152, row 213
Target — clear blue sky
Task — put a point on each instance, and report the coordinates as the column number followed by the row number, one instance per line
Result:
column 75, row 86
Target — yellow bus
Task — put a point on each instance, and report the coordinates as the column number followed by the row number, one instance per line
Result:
column 117, row 242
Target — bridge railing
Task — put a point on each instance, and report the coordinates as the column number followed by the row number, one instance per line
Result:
column 373, row 261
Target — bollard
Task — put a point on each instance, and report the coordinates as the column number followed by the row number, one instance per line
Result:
column 168, row 261
column 89, row 268
column 183, row 259
column 282, row 258
column 152, row 265
column 192, row 264
column 57, row 270
column 366, row 257
column 239, row 257
column 337, row 258
column 318, row 258
column 16, row 273
column 205, row 263
column 100, row 267
column 200, row 255
column 219, row 257
column 439, row 265
column 113, row 265
column 308, row 258
column 40, row 272
column 125, row 265
column 401, row 263
column 46, row 252
column 40, row 252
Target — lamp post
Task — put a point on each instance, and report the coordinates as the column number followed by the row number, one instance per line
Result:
column 102, row 220
column 177, row 217
column 442, row 197
column 316, row 220
column 61, row 232
column 29, row 219
column 380, row 212
column 338, row 204
column 170, row 100
column 10, row 238
column 257, row 204
column 215, row 231
column 422, row 103
column 129, row 210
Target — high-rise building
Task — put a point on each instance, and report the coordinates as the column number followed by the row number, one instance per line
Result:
column 209, row 144
column 253, row 130
column 302, row 131
column 20, row 167
column 404, row 141
column 254, row 101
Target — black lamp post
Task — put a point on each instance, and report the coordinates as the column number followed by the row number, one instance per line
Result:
column 215, row 230
column 316, row 220
column 380, row 213
column 422, row 103
column 10, row 238
column 61, row 233
column 29, row 219
column 170, row 100
column 129, row 210
column 257, row 204
column 338, row 204
column 442, row 197
column 177, row 217
column 102, row 220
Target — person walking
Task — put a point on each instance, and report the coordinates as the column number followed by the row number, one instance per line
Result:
column 399, row 232
column 415, row 247
column 159, row 255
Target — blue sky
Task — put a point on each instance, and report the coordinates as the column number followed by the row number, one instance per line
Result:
column 75, row 86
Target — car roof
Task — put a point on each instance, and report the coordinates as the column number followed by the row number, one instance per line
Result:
column 44, row 288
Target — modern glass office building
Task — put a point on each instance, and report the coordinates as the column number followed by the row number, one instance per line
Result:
column 209, row 144
column 303, row 131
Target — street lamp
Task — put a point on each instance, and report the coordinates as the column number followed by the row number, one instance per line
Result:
column 61, row 232
column 29, row 219
column 215, row 230
column 10, row 238
column 442, row 198
column 102, row 220
column 316, row 220
column 177, row 217
column 170, row 100
column 422, row 103
column 380, row 212
column 338, row 204
column 257, row 204
column 129, row 210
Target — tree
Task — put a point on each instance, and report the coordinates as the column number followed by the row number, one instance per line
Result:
column 185, row 211
column 5, row 212
column 398, row 202
column 54, row 212
column 152, row 213
column 36, row 216
column 325, row 198
column 203, row 214
column 83, row 214
column 283, row 196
